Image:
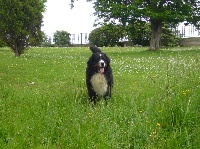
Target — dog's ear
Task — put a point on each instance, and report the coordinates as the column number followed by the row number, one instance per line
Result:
column 91, row 59
column 107, row 59
column 95, row 49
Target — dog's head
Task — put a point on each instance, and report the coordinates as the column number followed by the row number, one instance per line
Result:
column 99, row 62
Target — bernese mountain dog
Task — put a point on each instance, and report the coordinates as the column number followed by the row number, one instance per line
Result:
column 99, row 78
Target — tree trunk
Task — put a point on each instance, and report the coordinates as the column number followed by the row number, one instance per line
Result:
column 16, row 50
column 17, row 54
column 156, row 31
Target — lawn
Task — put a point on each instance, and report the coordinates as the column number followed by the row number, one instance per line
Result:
column 155, row 102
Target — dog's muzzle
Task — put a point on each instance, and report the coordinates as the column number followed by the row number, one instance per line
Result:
column 101, row 63
column 101, row 66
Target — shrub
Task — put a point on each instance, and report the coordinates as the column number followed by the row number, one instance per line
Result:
column 107, row 35
column 61, row 38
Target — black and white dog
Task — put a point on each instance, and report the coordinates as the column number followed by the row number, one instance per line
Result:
column 99, row 78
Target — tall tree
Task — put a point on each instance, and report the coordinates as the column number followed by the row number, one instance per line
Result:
column 20, row 23
column 157, row 12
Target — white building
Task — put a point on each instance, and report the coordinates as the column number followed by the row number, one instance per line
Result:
column 188, row 31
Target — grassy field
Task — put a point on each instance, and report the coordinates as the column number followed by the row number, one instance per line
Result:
column 155, row 102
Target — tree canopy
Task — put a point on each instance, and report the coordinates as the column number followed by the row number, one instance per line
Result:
column 157, row 12
column 106, row 35
column 20, row 23
column 61, row 38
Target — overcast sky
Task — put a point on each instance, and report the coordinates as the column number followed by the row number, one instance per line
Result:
column 59, row 16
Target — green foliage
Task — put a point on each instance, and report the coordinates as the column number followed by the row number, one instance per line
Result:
column 157, row 12
column 61, row 38
column 155, row 102
column 46, row 41
column 20, row 23
column 107, row 35
column 169, row 37
column 139, row 33
column 44, row 37
column 2, row 43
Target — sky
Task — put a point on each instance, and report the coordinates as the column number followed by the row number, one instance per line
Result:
column 59, row 16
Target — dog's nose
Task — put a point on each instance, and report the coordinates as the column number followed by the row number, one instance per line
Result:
column 101, row 63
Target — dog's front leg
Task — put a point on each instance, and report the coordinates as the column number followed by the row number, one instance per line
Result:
column 92, row 96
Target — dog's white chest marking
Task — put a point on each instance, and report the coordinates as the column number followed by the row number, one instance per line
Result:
column 99, row 84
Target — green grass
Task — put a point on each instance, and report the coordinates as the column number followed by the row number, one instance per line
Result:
column 155, row 102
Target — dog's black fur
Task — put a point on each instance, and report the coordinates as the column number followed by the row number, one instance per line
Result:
column 99, row 78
